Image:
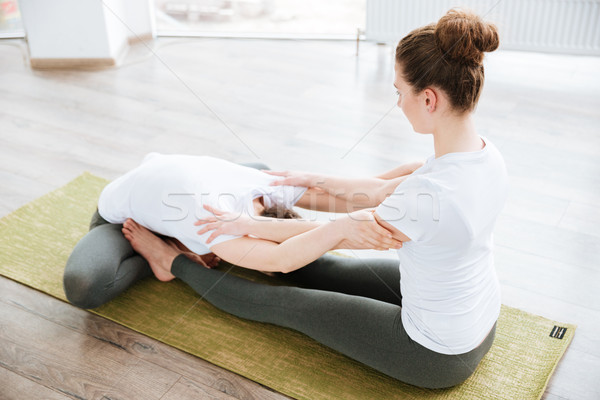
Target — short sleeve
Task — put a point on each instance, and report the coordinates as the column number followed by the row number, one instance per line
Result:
column 413, row 208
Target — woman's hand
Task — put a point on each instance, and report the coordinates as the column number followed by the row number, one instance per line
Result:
column 294, row 178
column 210, row 260
column 223, row 222
column 361, row 231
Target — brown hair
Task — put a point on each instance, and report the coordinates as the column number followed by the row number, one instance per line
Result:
column 448, row 55
column 280, row 212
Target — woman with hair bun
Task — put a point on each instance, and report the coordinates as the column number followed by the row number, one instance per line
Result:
column 430, row 320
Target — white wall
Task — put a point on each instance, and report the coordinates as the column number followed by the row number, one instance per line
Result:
column 65, row 28
column 80, row 29
column 558, row 26
column 116, row 25
column 140, row 18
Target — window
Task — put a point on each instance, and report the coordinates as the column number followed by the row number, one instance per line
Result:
column 317, row 18
column 10, row 19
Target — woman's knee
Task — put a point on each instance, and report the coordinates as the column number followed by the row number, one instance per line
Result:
column 444, row 371
column 82, row 289
column 92, row 285
column 92, row 265
column 86, row 278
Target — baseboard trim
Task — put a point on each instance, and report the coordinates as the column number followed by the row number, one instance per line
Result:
column 71, row 63
column 81, row 63
column 144, row 37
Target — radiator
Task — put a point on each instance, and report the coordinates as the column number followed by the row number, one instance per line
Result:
column 558, row 26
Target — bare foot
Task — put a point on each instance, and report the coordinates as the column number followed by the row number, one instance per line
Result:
column 159, row 255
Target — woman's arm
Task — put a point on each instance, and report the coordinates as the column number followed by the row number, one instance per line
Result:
column 359, row 192
column 264, row 255
column 345, row 194
column 357, row 230
column 272, row 229
column 404, row 169
column 319, row 200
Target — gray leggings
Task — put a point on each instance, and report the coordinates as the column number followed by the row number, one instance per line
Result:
column 347, row 304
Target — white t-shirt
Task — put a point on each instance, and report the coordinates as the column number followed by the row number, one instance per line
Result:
column 448, row 208
column 166, row 194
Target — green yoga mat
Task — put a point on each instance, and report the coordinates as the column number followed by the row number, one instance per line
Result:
column 36, row 240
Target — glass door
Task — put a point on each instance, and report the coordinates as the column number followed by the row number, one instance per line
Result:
column 269, row 18
column 10, row 19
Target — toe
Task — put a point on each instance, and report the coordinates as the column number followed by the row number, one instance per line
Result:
column 137, row 227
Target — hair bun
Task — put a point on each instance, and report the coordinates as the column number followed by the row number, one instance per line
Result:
column 463, row 36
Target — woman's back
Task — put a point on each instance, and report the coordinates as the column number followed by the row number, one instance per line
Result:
column 448, row 207
column 166, row 194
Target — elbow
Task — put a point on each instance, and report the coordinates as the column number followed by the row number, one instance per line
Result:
column 275, row 264
column 282, row 260
column 286, row 267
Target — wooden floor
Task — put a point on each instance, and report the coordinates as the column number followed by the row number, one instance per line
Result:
column 293, row 105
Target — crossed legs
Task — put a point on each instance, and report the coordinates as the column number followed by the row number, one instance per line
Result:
column 366, row 329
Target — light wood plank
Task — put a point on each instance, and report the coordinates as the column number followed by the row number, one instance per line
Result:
column 185, row 389
column 17, row 387
column 195, row 370
column 75, row 364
